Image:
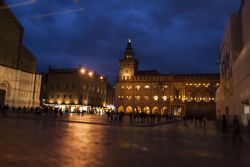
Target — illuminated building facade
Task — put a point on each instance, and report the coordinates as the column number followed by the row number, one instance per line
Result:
column 19, row 83
column 75, row 89
column 172, row 95
column 233, row 95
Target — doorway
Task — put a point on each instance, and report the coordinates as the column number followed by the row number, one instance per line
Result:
column 2, row 97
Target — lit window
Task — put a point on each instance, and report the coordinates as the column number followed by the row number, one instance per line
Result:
column 129, row 87
column 122, row 87
column 156, row 98
column 146, row 86
column 165, row 87
column 146, row 97
column 155, row 87
column 137, row 87
column 137, row 97
column 120, row 97
column 129, row 97
column 164, row 98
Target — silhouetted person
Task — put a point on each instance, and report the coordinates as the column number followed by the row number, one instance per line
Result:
column 130, row 117
column 224, row 124
column 236, row 129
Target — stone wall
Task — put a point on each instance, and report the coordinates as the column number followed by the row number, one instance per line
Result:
column 10, row 39
column 22, row 88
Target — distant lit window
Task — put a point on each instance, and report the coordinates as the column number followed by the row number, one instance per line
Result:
column 120, row 97
column 129, row 87
column 146, row 97
column 122, row 87
column 156, row 98
column 137, row 97
column 137, row 87
column 129, row 97
column 146, row 86
column 155, row 87
column 164, row 98
column 165, row 87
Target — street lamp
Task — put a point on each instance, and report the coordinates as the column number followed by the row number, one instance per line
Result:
column 83, row 71
column 90, row 74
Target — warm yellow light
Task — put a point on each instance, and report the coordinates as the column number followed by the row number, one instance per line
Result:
column 101, row 77
column 83, row 71
column 91, row 74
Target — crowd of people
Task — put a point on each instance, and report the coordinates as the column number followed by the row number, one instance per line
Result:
column 137, row 117
column 234, row 125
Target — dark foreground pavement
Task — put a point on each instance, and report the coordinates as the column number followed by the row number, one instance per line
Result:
column 47, row 143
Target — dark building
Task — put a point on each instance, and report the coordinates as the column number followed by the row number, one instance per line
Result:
column 19, row 83
column 165, row 94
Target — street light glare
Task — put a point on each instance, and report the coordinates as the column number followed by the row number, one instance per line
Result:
column 83, row 71
column 90, row 73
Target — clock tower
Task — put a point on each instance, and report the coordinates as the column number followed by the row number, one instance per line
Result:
column 128, row 64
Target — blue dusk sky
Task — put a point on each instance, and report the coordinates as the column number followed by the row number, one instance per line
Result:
column 172, row 36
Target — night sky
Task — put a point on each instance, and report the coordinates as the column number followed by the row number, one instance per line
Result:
column 172, row 36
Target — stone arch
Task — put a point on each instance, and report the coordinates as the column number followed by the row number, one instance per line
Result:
column 4, row 85
column 120, row 109
column 138, row 109
column 164, row 110
column 155, row 110
column 146, row 109
column 129, row 109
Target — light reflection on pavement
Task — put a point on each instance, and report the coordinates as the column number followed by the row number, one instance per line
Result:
column 41, row 143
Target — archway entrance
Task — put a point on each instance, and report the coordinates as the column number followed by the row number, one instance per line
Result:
column 129, row 109
column 120, row 109
column 155, row 110
column 2, row 97
column 146, row 110
column 164, row 111
column 138, row 109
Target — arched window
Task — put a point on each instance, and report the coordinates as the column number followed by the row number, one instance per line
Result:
column 137, row 87
column 164, row 98
column 156, row 98
column 137, row 97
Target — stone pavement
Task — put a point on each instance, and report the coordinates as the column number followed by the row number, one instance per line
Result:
column 43, row 143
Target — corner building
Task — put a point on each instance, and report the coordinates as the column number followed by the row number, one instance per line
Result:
column 75, row 89
column 19, row 83
column 233, row 95
column 168, row 95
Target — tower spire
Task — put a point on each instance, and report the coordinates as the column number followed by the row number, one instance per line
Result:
column 129, row 53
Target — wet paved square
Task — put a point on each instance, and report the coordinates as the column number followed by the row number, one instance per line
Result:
column 49, row 143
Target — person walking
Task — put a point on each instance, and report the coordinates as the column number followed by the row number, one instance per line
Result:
column 224, row 124
column 236, row 129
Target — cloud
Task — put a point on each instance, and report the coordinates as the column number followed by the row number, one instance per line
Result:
column 173, row 36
